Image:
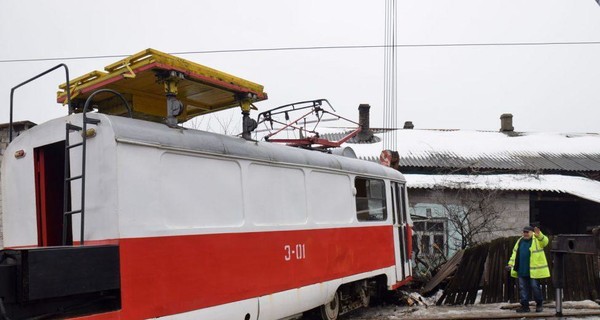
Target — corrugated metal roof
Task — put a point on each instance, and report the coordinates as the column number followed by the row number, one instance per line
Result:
column 577, row 186
column 490, row 150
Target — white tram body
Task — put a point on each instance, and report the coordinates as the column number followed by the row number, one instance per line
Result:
column 187, row 224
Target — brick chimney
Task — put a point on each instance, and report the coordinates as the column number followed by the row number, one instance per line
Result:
column 365, row 133
column 506, row 123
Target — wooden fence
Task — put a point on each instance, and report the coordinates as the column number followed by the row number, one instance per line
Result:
column 483, row 267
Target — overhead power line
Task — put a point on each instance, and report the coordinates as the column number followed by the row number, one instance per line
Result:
column 390, row 75
column 341, row 47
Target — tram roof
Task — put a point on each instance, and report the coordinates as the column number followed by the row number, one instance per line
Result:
column 159, row 135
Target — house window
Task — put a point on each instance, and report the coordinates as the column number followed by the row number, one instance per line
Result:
column 425, row 244
column 439, row 242
column 370, row 199
column 435, row 226
column 432, row 235
column 419, row 226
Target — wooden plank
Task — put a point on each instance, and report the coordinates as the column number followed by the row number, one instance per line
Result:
column 445, row 271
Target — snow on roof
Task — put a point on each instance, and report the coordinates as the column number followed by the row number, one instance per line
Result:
column 577, row 186
column 487, row 149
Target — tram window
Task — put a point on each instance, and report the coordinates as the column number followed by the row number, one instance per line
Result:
column 403, row 203
column 370, row 200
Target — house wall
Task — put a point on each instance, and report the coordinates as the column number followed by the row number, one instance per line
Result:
column 513, row 206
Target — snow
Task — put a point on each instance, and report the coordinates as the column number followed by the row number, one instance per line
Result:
column 577, row 186
column 573, row 309
column 421, row 143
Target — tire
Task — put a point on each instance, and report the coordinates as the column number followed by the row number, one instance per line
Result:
column 331, row 310
column 364, row 295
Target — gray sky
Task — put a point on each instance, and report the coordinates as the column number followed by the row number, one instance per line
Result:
column 547, row 88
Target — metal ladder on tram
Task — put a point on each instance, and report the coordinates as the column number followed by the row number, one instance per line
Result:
column 67, row 210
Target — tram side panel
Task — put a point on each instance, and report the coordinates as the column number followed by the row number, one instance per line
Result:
column 205, row 231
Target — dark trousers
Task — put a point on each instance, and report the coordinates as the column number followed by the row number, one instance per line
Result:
column 527, row 284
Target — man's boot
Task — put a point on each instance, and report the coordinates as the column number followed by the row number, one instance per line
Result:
column 523, row 309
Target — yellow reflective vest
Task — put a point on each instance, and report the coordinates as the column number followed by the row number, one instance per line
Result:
column 538, row 265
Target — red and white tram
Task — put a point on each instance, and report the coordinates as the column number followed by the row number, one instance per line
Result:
column 187, row 224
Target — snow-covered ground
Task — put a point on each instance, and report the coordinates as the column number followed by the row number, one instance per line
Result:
column 571, row 310
column 487, row 311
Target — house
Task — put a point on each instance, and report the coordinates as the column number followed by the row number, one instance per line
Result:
column 548, row 179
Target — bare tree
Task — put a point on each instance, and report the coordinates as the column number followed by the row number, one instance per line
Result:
column 474, row 214
column 225, row 123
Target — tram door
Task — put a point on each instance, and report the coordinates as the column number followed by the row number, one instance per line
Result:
column 49, row 190
column 400, row 231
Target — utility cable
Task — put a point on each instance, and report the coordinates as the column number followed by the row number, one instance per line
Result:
column 340, row 47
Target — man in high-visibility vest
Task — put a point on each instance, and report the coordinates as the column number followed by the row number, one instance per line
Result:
column 528, row 263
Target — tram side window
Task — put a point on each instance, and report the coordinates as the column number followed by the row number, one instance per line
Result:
column 370, row 200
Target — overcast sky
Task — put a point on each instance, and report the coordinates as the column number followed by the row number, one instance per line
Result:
column 546, row 88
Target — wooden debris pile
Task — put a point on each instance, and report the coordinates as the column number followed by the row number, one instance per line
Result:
column 483, row 268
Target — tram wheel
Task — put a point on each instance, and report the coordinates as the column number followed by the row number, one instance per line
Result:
column 331, row 310
column 364, row 295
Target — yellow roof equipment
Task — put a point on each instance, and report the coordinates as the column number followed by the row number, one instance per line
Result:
column 150, row 78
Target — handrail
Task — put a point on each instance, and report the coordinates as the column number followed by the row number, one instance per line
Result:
column 89, row 99
column 12, row 91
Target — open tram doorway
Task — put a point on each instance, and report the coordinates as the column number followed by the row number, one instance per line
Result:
column 49, row 194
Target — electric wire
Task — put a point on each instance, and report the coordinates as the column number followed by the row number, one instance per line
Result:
column 390, row 76
column 331, row 47
column 394, row 121
column 385, row 75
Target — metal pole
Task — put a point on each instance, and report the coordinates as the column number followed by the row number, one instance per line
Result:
column 559, row 302
column 558, row 279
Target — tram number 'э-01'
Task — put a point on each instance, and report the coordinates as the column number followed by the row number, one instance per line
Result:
column 152, row 220
column 298, row 253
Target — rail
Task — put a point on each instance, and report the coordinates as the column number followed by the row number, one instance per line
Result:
column 12, row 91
